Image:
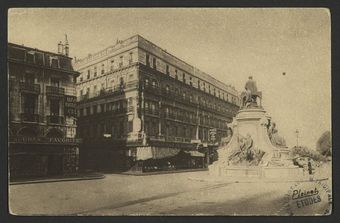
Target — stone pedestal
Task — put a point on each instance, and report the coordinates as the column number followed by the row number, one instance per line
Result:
column 275, row 163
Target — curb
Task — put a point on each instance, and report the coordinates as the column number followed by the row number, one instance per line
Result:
column 99, row 176
column 163, row 172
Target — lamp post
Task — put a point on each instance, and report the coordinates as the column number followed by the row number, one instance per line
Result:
column 297, row 137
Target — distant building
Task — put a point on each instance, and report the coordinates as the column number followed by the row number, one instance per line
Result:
column 141, row 108
column 42, row 120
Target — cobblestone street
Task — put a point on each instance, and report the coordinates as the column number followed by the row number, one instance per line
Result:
column 167, row 194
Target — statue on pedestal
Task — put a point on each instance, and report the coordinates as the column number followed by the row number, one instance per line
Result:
column 250, row 94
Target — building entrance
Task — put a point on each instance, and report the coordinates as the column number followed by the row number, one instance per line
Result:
column 55, row 165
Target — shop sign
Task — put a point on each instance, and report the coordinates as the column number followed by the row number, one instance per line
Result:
column 70, row 105
column 23, row 139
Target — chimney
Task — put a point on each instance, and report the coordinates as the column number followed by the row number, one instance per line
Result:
column 66, row 48
column 60, row 48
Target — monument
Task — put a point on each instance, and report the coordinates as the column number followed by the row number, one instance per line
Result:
column 255, row 148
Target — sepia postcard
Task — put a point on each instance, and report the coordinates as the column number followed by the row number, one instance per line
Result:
column 169, row 112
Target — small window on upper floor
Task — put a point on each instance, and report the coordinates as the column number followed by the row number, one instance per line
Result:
column 103, row 69
column 167, row 69
column 176, row 75
column 88, row 74
column 154, row 83
column 55, row 82
column 95, row 71
column 154, row 63
column 120, row 61
column 130, row 58
column 112, row 65
column 30, row 57
column 146, row 82
column 148, row 60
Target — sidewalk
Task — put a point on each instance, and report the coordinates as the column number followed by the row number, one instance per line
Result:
column 81, row 176
column 163, row 172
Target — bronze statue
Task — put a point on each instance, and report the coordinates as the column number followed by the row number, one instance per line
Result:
column 250, row 94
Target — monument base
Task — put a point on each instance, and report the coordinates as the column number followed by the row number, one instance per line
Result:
column 258, row 172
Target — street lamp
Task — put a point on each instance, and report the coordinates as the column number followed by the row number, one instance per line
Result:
column 297, row 137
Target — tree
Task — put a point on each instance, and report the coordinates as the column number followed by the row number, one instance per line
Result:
column 324, row 145
column 303, row 151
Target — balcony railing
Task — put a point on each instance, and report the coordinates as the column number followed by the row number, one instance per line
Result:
column 53, row 119
column 32, row 88
column 55, row 90
column 26, row 117
column 130, row 109
column 151, row 112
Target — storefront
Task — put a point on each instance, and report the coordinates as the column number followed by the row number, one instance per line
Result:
column 152, row 159
column 42, row 157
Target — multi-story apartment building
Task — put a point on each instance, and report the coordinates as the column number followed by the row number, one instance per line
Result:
column 42, row 108
column 137, row 102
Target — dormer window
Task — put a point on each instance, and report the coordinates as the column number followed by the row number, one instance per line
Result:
column 30, row 56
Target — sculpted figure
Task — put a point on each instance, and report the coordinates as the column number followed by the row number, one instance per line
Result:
column 246, row 154
column 275, row 138
column 251, row 88
column 250, row 94
column 226, row 140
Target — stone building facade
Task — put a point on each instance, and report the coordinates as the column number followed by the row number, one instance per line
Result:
column 42, row 112
column 138, row 103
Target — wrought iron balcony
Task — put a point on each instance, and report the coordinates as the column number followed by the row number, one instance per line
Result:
column 53, row 119
column 31, row 88
column 26, row 117
column 55, row 90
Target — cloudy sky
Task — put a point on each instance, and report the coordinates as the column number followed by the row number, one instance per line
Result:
column 229, row 44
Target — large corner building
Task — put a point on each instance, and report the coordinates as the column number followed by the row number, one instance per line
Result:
column 42, row 112
column 141, row 108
